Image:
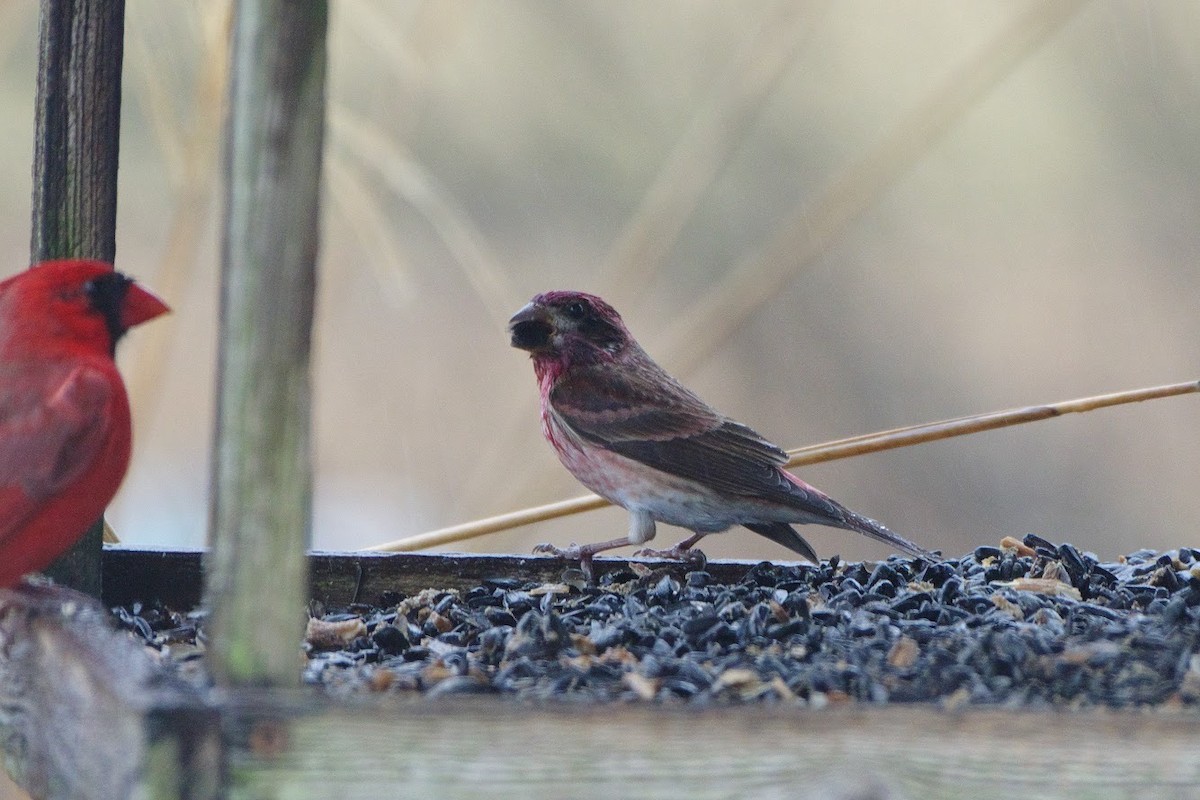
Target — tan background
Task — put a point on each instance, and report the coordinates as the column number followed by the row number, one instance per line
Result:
column 1044, row 248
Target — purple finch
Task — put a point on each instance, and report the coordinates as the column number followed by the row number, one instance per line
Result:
column 638, row 438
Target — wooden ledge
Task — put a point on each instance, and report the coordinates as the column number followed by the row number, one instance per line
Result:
column 338, row 577
column 488, row 746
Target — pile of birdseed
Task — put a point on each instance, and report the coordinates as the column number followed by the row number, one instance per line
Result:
column 1030, row 625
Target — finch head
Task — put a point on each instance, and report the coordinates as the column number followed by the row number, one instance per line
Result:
column 569, row 329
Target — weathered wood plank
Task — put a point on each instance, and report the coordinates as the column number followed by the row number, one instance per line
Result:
column 339, row 578
column 77, row 126
column 77, row 129
column 262, row 470
column 495, row 748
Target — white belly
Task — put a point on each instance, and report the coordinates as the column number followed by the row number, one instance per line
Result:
column 642, row 490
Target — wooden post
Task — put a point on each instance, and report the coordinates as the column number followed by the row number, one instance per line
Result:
column 77, row 131
column 260, row 514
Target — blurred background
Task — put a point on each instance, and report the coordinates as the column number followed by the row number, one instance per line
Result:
column 827, row 218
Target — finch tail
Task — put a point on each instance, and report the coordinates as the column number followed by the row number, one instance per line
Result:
column 869, row 527
column 784, row 534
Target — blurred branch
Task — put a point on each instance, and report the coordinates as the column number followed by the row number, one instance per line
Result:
column 374, row 233
column 190, row 149
column 810, row 230
column 365, row 141
column 717, row 128
column 146, row 64
column 375, row 27
column 812, row 454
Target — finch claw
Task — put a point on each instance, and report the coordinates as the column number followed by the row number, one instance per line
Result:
column 570, row 552
column 688, row 555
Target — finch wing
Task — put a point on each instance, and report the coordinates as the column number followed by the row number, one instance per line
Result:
column 46, row 444
column 648, row 416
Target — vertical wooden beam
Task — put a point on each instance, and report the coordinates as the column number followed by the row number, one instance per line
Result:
column 260, row 513
column 77, row 132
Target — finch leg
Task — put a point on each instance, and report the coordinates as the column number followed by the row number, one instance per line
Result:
column 681, row 552
column 582, row 552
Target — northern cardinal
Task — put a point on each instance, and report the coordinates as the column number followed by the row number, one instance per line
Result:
column 64, row 413
column 638, row 438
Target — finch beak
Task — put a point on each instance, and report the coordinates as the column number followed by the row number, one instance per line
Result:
column 530, row 328
column 140, row 305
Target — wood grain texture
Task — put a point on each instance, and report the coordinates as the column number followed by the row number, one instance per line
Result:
column 75, row 154
column 77, row 129
column 340, row 578
column 262, row 473
column 491, row 748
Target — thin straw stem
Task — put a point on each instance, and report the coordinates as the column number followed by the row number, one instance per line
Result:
column 812, row 454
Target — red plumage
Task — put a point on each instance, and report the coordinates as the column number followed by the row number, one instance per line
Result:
column 640, row 439
column 65, row 427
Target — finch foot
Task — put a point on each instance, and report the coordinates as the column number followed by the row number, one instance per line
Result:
column 687, row 555
column 583, row 553
column 571, row 552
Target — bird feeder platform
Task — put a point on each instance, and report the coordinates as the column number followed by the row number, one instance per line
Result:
column 91, row 712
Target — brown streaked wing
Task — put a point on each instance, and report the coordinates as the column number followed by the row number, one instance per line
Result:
column 649, row 417
column 608, row 405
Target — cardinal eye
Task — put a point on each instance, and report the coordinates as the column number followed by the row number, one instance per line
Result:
column 576, row 310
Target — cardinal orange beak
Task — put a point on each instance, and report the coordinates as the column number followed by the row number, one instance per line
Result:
column 140, row 305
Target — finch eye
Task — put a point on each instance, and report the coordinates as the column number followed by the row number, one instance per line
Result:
column 576, row 310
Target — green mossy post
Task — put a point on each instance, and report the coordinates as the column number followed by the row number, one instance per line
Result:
column 77, row 133
column 260, row 515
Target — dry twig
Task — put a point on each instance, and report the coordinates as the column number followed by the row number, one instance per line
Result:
column 828, row 451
